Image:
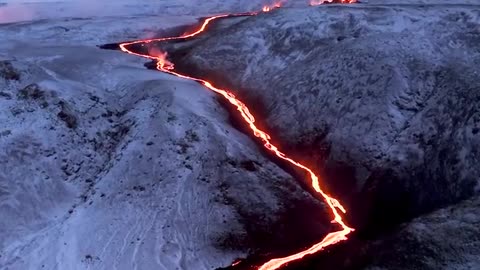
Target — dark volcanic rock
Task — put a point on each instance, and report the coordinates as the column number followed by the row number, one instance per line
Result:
column 8, row 72
column 67, row 116
column 446, row 239
column 31, row 91
column 385, row 99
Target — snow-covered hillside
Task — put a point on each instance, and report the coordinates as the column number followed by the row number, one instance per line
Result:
column 388, row 96
column 384, row 99
column 107, row 165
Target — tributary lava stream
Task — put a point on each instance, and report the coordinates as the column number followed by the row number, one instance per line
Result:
column 164, row 65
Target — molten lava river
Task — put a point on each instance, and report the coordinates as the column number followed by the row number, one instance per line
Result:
column 164, row 65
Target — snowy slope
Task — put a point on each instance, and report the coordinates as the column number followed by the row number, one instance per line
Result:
column 386, row 99
column 106, row 165
column 388, row 96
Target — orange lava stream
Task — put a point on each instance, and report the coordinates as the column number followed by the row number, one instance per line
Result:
column 166, row 66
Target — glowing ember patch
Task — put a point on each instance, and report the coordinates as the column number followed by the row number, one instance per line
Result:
column 273, row 6
column 164, row 65
column 319, row 2
column 236, row 262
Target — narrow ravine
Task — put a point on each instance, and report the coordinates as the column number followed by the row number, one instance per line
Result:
column 164, row 65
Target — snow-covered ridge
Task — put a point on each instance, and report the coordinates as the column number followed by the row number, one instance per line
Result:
column 379, row 91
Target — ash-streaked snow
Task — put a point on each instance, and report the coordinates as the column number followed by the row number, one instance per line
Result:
column 107, row 165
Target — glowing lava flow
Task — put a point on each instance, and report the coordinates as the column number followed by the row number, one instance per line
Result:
column 166, row 66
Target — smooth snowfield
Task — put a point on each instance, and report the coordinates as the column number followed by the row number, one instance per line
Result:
column 18, row 10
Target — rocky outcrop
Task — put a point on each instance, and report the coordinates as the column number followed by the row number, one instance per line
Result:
column 385, row 100
column 8, row 72
column 446, row 239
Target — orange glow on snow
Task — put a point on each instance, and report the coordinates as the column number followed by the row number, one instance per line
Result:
column 164, row 65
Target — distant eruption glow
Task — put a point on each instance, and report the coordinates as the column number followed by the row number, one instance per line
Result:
column 274, row 5
column 164, row 65
column 319, row 2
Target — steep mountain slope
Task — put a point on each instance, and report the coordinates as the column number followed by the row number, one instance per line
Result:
column 385, row 99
